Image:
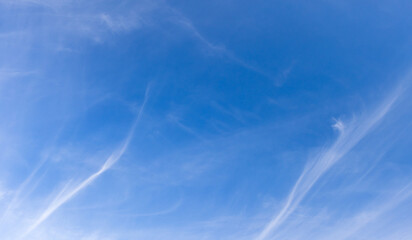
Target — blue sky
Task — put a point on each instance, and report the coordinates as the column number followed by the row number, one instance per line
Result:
column 258, row 120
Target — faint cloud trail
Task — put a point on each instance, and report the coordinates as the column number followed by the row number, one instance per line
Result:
column 65, row 195
column 364, row 218
column 22, row 192
column 349, row 136
column 216, row 49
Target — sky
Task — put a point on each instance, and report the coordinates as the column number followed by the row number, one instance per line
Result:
column 218, row 119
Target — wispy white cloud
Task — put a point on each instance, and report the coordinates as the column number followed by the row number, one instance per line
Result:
column 219, row 50
column 23, row 191
column 349, row 136
column 176, row 120
column 349, row 227
column 11, row 73
column 66, row 194
column 325, row 224
column 121, row 23
column 126, row 213
column 339, row 125
column 74, row 19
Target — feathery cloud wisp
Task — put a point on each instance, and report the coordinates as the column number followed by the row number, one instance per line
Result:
column 65, row 195
column 347, row 139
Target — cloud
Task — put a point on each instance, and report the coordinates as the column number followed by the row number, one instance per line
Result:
column 366, row 221
column 6, row 74
column 354, row 132
column 338, row 125
column 121, row 23
column 68, row 20
column 67, row 194
column 346, row 229
column 219, row 50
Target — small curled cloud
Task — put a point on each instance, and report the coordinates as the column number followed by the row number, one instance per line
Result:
column 338, row 125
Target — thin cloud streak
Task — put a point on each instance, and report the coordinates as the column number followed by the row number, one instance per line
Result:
column 23, row 191
column 65, row 195
column 364, row 218
column 216, row 49
column 349, row 136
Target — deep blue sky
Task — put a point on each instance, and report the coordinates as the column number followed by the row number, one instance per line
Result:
column 205, row 120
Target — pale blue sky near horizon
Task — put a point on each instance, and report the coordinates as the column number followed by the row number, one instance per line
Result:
column 220, row 119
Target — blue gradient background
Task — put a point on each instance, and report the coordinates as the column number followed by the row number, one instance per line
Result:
column 198, row 119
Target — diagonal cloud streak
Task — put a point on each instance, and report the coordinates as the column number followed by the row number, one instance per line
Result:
column 65, row 195
column 216, row 49
column 364, row 218
column 349, row 136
